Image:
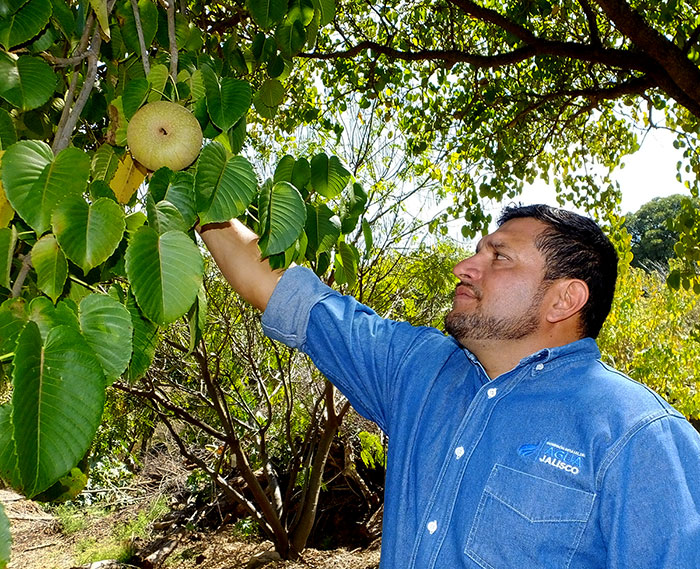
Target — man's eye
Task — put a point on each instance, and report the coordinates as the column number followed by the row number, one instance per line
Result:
column 501, row 257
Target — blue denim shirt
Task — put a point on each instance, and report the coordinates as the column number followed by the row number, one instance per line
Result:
column 560, row 463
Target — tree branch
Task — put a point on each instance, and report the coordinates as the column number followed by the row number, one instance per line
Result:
column 22, row 275
column 139, row 33
column 592, row 24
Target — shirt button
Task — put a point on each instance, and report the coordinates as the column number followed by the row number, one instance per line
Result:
column 432, row 526
column 539, row 367
column 459, row 452
column 492, row 392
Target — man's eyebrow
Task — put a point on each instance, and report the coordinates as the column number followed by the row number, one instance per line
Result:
column 492, row 244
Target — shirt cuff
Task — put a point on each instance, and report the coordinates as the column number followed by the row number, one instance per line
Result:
column 287, row 313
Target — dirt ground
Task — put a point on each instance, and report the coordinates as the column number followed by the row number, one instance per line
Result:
column 40, row 542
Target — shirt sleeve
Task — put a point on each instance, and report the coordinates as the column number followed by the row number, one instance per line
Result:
column 362, row 354
column 650, row 497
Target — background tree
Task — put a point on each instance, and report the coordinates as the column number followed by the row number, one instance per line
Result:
column 653, row 237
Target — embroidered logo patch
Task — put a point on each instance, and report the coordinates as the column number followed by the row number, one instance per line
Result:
column 554, row 455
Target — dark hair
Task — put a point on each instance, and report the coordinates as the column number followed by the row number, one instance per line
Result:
column 575, row 247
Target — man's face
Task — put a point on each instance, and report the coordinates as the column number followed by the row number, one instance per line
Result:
column 501, row 288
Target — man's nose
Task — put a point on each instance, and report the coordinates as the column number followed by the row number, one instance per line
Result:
column 467, row 269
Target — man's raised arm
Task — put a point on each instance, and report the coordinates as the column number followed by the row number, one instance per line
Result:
column 235, row 250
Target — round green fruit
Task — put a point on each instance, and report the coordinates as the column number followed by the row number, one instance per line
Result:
column 162, row 133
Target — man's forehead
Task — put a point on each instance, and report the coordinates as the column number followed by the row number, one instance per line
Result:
column 518, row 232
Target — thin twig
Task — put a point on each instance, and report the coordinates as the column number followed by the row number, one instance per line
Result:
column 172, row 40
column 139, row 33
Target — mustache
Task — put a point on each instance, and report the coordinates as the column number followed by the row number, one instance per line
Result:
column 473, row 291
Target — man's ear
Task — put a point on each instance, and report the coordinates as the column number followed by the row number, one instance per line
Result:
column 568, row 298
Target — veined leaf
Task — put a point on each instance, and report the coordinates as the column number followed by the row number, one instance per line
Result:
column 282, row 217
column 346, row 261
column 144, row 341
column 290, row 36
column 148, row 13
column 5, row 539
column 164, row 216
column 56, row 403
column 35, row 182
column 327, row 10
column 46, row 316
column 8, row 7
column 8, row 134
column 8, row 451
column 12, row 320
column 106, row 325
column 104, row 163
column 284, row 169
column 225, row 186
column 227, row 99
column 28, row 81
column 25, row 23
column 322, row 228
column 51, row 266
column 8, row 238
column 328, row 176
column 165, row 273
column 88, row 234
column 127, row 178
column 100, row 8
column 157, row 79
column 267, row 13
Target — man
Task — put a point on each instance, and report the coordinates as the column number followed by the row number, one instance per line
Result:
column 511, row 445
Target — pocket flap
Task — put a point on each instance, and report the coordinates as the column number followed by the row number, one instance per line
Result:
column 537, row 499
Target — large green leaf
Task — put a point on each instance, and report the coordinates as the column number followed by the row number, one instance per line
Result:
column 88, row 233
column 180, row 192
column 328, row 176
column 144, row 341
column 165, row 273
column 164, row 216
column 326, row 9
column 9, row 7
column 227, row 99
column 5, row 539
column 322, row 228
column 8, row 134
column 272, row 92
column 346, row 260
column 28, row 81
column 290, row 36
column 35, row 182
column 57, row 401
column 106, row 325
column 104, row 163
column 225, row 186
column 8, row 451
column 284, row 169
column 148, row 13
column 47, row 316
column 267, row 13
column 282, row 216
column 25, row 23
column 51, row 266
column 12, row 319
column 8, row 238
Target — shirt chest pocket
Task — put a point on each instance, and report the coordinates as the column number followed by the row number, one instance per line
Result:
column 527, row 521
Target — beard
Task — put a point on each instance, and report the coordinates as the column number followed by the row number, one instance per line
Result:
column 476, row 325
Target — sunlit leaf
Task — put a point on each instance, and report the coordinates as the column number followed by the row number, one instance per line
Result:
column 8, row 134
column 25, row 23
column 165, row 272
column 35, row 182
column 8, row 238
column 56, row 403
column 267, row 13
column 227, row 99
column 51, row 266
column 282, row 216
column 225, row 185
column 88, row 233
column 322, row 228
column 144, row 341
column 106, row 325
column 328, row 176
